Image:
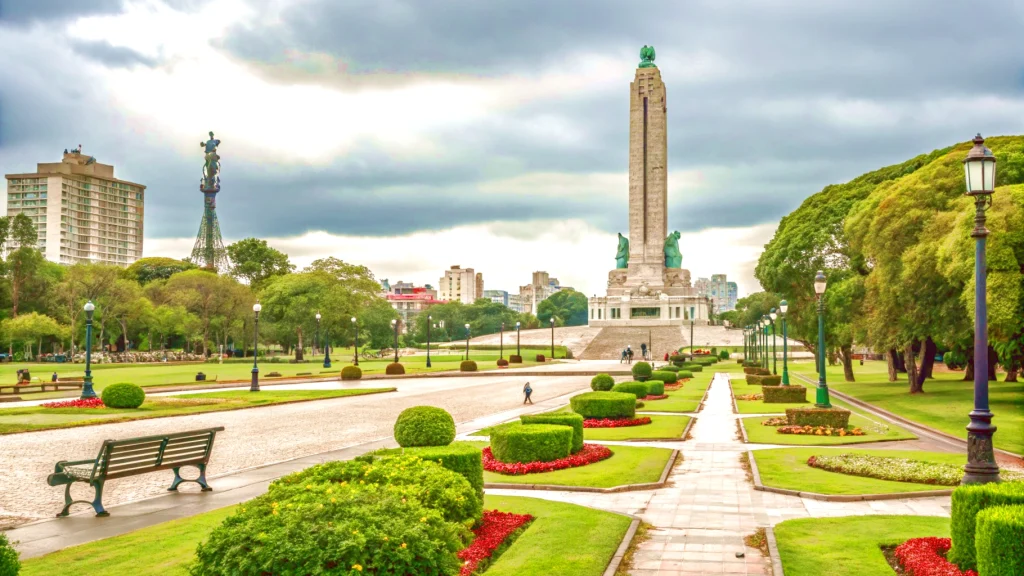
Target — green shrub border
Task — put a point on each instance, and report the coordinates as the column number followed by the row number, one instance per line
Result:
column 784, row 394
column 574, row 421
column 967, row 501
column 811, row 416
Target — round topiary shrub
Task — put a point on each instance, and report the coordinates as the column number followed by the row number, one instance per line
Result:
column 574, row 421
column 424, row 426
column 123, row 395
column 724, row 355
column 638, row 389
column 639, row 404
column 641, row 371
column 467, row 366
column 655, row 387
column 351, row 373
column 531, row 443
column 515, row 359
column 394, row 368
column 666, row 376
column 682, row 374
column 602, row 383
column 10, row 565
column 604, row 405
column 502, row 362
column 540, row 358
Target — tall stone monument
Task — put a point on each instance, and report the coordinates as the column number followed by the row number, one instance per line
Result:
column 648, row 286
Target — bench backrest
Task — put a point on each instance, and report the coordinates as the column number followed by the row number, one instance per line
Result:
column 133, row 456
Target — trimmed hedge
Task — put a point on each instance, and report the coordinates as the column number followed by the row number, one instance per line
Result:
column 655, row 387
column 467, row 366
column 540, row 358
column 670, row 368
column 515, row 359
column 394, row 368
column 502, row 362
column 666, row 376
column 784, row 394
column 693, row 367
column 683, row 374
column 678, row 359
column 757, row 370
column 999, row 541
column 460, row 457
column 602, row 383
column 763, row 380
column 639, row 404
column 641, row 371
column 574, row 421
column 123, row 395
column 533, row 443
column 351, row 373
column 424, row 426
column 834, row 417
column 967, row 502
column 9, row 563
column 638, row 389
column 723, row 355
column 604, row 405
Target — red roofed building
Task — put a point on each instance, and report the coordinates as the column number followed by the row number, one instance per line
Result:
column 409, row 305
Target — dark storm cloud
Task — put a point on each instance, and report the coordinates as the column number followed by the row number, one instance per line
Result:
column 27, row 11
column 109, row 55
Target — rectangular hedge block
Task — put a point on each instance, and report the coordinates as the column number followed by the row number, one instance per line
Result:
column 967, row 502
column 784, row 394
column 763, row 380
column 834, row 417
column 999, row 540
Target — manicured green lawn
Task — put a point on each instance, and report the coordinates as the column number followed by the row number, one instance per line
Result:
column 674, row 403
column 660, row 427
column 758, row 434
column 848, row 546
column 759, row 407
column 14, row 420
column 787, row 468
column 564, row 539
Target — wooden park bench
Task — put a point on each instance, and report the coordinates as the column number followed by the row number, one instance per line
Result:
column 134, row 456
column 39, row 387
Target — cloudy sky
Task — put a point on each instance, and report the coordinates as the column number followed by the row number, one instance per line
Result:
column 410, row 135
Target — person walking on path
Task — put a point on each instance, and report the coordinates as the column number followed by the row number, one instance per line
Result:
column 643, row 350
column 526, row 392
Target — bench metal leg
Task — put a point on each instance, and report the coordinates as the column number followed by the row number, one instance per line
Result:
column 96, row 503
column 201, row 480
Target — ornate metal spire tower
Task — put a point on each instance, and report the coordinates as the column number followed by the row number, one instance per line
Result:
column 209, row 251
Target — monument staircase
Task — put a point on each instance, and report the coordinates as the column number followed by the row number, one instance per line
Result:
column 610, row 341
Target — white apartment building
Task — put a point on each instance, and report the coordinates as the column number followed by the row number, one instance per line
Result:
column 460, row 284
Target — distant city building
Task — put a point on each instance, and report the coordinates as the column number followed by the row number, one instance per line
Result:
column 410, row 288
column 81, row 212
column 515, row 303
column 497, row 296
column 385, row 286
column 411, row 304
column 461, row 284
column 542, row 287
column 723, row 294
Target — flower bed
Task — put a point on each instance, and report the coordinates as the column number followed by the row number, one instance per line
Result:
column 655, row 396
column 751, row 397
column 819, row 431
column 496, row 528
column 777, row 421
column 615, row 423
column 896, row 469
column 927, row 557
column 588, row 455
column 674, row 387
column 77, row 403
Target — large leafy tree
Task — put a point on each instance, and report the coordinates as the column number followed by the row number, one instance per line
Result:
column 146, row 270
column 204, row 294
column 255, row 262
column 568, row 306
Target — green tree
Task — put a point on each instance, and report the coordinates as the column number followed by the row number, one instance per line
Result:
column 568, row 306
column 31, row 328
column 204, row 294
column 146, row 270
column 256, row 262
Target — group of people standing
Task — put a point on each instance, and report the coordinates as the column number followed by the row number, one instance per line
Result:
column 627, row 354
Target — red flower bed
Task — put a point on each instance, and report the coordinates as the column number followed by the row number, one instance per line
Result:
column 673, row 387
column 588, row 455
column 927, row 557
column 816, row 430
column 616, row 423
column 77, row 403
column 655, row 396
column 496, row 528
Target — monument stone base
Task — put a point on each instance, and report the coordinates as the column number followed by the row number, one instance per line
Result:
column 648, row 296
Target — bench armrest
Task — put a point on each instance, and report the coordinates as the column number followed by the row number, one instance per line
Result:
column 60, row 465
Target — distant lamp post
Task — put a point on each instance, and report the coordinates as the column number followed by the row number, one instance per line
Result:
column 394, row 324
column 691, row 337
column 552, row 337
column 316, row 337
column 87, row 391
column 429, row 319
column 518, row 324
column 821, row 397
column 980, row 172
column 744, row 344
column 783, row 306
column 467, row 341
column 501, row 342
column 775, row 356
column 355, row 345
column 765, row 320
column 255, row 386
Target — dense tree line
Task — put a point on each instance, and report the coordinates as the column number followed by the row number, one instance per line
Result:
column 896, row 248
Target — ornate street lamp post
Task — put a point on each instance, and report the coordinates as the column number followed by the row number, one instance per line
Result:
column 764, row 338
column 501, row 342
column 980, row 172
column 355, row 345
column 821, row 397
column 518, row 324
column 783, row 306
column 775, row 355
column 316, row 336
column 552, row 337
column 87, row 391
column 429, row 320
column 467, row 341
column 755, row 339
column 745, row 338
column 255, row 386
column 394, row 324
column 691, row 339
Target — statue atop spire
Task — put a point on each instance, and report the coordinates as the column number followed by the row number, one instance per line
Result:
column 647, row 57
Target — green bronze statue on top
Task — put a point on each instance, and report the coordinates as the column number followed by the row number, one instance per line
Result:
column 673, row 257
column 622, row 256
column 647, row 57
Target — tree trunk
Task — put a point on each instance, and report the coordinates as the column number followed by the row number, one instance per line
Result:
column 969, row 372
column 890, row 358
column 206, row 336
column 909, row 357
column 298, row 348
column 993, row 361
column 1011, row 375
column 847, row 354
column 927, row 361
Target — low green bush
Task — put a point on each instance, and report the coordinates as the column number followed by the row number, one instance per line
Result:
column 967, row 502
column 683, row 374
column 724, row 355
column 641, row 371
column 351, row 373
column 459, row 457
column 655, row 387
column 678, row 359
column 502, row 362
column 638, row 389
column 693, row 367
column 515, row 359
column 757, row 370
column 572, row 420
column 834, row 417
column 999, row 541
column 784, row 394
column 424, row 426
column 670, row 368
column 540, row 358
column 639, row 404
column 602, row 383
column 666, row 376
column 123, row 395
column 394, row 368
column 467, row 366
column 763, row 380
column 604, row 405
column 533, row 443
column 10, row 565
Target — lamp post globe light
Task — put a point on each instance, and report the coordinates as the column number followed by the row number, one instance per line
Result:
column 821, row 396
column 552, row 337
column 255, row 386
column 467, row 341
column 394, row 324
column 355, row 344
column 87, row 391
column 429, row 320
column 775, row 356
column 980, row 174
column 783, row 306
